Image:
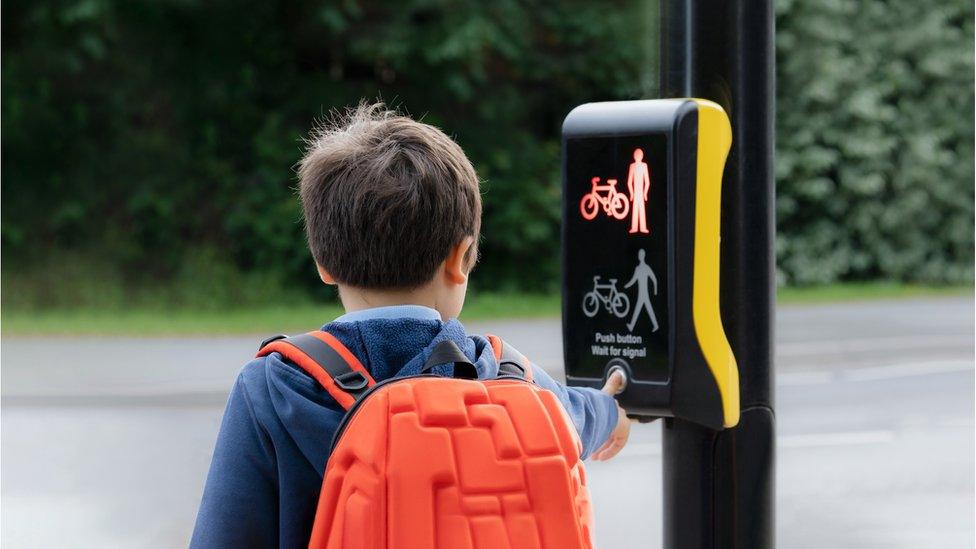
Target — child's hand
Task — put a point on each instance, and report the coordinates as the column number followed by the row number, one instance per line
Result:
column 618, row 438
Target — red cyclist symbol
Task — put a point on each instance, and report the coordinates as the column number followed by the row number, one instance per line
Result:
column 614, row 203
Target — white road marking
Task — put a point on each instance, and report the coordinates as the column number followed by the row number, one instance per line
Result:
column 874, row 373
column 903, row 343
column 811, row 440
column 642, row 449
column 908, row 369
column 835, row 439
column 818, row 377
column 957, row 422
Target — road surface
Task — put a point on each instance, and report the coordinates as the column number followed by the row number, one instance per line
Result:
column 106, row 441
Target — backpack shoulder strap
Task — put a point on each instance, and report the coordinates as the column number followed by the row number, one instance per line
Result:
column 510, row 361
column 327, row 360
column 447, row 352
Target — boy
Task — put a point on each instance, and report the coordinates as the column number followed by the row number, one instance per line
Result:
column 393, row 212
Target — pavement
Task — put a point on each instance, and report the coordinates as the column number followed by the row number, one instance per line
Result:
column 106, row 441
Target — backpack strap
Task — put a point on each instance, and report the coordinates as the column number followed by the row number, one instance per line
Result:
column 510, row 361
column 447, row 352
column 327, row 360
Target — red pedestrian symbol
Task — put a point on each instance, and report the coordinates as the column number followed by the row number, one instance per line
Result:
column 638, row 183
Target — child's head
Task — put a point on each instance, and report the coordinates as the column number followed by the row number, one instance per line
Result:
column 392, row 210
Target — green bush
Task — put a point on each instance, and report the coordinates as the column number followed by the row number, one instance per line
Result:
column 154, row 142
column 874, row 159
column 138, row 132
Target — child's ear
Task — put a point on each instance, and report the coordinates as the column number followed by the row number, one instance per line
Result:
column 456, row 266
column 324, row 275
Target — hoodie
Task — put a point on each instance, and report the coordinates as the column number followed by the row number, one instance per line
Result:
column 276, row 434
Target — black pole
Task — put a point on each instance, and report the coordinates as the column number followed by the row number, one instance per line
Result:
column 719, row 485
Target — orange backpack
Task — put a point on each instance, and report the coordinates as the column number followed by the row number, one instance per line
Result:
column 429, row 461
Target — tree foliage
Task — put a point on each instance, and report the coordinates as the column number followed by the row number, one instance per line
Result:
column 148, row 135
column 142, row 130
column 874, row 161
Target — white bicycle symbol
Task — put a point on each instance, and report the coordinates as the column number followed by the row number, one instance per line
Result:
column 613, row 300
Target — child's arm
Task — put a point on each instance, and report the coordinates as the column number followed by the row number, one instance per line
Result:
column 239, row 507
column 602, row 425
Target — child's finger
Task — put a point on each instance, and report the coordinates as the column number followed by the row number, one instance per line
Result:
column 596, row 453
column 613, row 448
column 599, row 451
column 614, row 384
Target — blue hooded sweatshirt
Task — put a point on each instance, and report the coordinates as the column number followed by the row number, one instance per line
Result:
column 275, row 438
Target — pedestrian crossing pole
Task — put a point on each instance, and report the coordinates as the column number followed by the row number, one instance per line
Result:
column 719, row 485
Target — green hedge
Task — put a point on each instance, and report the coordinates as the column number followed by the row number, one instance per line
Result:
column 139, row 131
column 874, row 161
column 142, row 136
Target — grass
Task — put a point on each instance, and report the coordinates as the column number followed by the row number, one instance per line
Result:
column 275, row 319
column 865, row 291
column 251, row 320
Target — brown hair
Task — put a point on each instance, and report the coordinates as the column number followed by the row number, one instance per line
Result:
column 386, row 198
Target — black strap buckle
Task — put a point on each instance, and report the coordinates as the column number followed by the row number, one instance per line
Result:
column 352, row 382
column 447, row 352
column 508, row 367
column 271, row 339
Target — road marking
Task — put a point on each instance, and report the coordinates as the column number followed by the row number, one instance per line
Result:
column 908, row 369
column 820, row 377
column 812, row 440
column 874, row 373
column 203, row 398
column 957, row 422
column 642, row 449
column 835, row 439
column 836, row 346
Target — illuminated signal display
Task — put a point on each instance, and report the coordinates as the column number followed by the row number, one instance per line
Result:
column 615, row 255
column 618, row 205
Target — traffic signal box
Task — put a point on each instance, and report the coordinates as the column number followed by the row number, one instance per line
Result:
column 642, row 186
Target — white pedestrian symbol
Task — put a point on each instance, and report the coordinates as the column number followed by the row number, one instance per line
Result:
column 642, row 274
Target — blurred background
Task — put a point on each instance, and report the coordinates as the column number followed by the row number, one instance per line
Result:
column 151, row 236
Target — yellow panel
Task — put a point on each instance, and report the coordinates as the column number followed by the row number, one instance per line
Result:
column 714, row 141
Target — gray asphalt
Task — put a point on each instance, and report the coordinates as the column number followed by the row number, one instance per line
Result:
column 106, row 441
